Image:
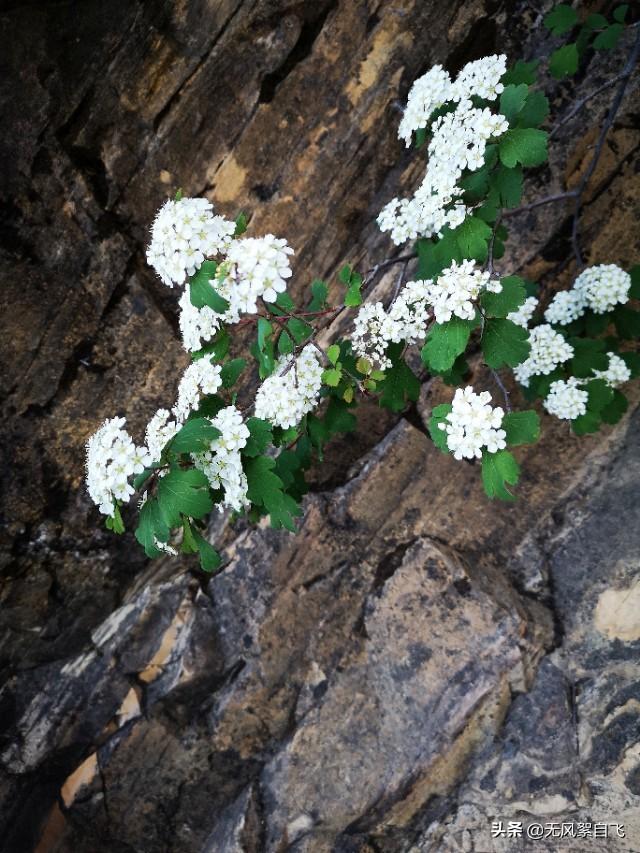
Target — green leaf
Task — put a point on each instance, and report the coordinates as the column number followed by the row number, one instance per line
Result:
column 433, row 258
column 151, row 526
column 265, row 489
column 595, row 324
column 521, row 427
column 209, row 407
column 210, row 560
column 265, row 329
column 535, row 110
column 194, row 437
column 345, row 274
column 512, row 100
column 231, row 371
column 475, row 185
column 445, row 342
column 560, row 19
column 456, row 374
column 241, row 225
column 400, row 384
column 183, row 492
column 620, row 13
column 564, row 61
column 499, row 469
column 612, row 412
column 338, row 418
column 353, row 297
column 584, row 424
column 332, row 377
column 473, row 236
column 504, row 342
column 508, row 183
column 522, row 72
column 299, row 330
column 634, row 290
column 596, row 21
column 438, row 416
column 527, row 146
column 609, row 38
column 143, row 476
column 117, row 524
column 627, row 322
column 632, row 360
column 588, row 356
column 539, row 386
column 260, row 437
column 178, row 195
column 189, row 545
column 600, row 395
column 285, row 344
column 510, row 298
column 202, row 291
column 333, row 353
column 319, row 292
column 283, row 300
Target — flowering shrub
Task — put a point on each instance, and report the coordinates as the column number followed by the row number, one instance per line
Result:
column 479, row 131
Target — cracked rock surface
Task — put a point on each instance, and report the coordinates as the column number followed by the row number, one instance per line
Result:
column 417, row 662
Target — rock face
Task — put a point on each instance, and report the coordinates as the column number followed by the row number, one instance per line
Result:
column 417, row 662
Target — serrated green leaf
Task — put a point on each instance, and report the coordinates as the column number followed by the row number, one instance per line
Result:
column 522, row 72
column 564, row 61
column 400, row 384
column 608, row 39
column 438, row 416
column 231, row 371
column 613, row 411
column 473, row 236
column 510, row 298
column 627, row 322
column 151, row 526
column 260, row 437
column 353, row 297
column 512, row 100
column 345, row 274
column 504, row 343
column 475, row 185
column 499, row 469
column 445, row 342
column 241, row 225
column 588, row 356
column 620, row 12
column 508, row 183
column 634, row 290
column 632, row 360
column 527, row 146
column 143, row 476
column 265, row 330
column 283, row 300
column 209, row 407
column 265, row 489
column 587, row 423
column 600, row 395
column 195, row 436
column 534, row 111
column 299, row 330
column 596, row 21
column 183, row 492
column 595, row 324
column 560, row 19
column 210, row 560
column 539, row 386
column 188, row 545
column 434, row 257
column 319, row 292
column 117, row 524
column 332, row 377
column 202, row 292
column 333, row 353
column 521, row 427
column 285, row 344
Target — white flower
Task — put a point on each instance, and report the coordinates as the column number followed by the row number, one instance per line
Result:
column 200, row 378
column 112, row 458
column 565, row 307
column 616, row 374
column 457, row 289
column 222, row 463
column 183, row 234
column 257, row 267
column 566, row 400
column 198, row 325
column 473, row 424
column 160, row 430
column 522, row 316
column 548, row 350
column 427, row 94
column 481, row 78
column 603, row 287
column 292, row 390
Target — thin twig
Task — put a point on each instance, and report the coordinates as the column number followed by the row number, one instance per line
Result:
column 546, row 200
column 501, row 386
column 615, row 106
column 584, row 101
column 489, row 263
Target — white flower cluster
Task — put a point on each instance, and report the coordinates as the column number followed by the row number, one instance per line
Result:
column 457, row 288
column 458, row 142
column 292, row 390
column 112, row 458
column 616, row 374
column 406, row 320
column 473, row 424
column 222, row 463
column 566, row 399
column 522, row 316
column 201, row 377
column 548, row 350
column 257, row 268
column 183, row 234
column 599, row 288
column 197, row 325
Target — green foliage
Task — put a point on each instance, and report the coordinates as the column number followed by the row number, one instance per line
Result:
column 400, row 384
column 504, row 343
column 434, row 257
column 522, row 72
column 114, row 522
column 241, row 225
column 589, row 355
column 561, row 19
column 319, row 292
column 183, row 491
column 527, row 146
column 608, row 38
column 613, row 411
column 438, row 416
column 564, row 61
column 627, row 322
column 508, row 185
column 445, row 342
column 151, row 527
column 353, row 281
column 266, row 490
column 202, row 291
column 534, row 111
column 521, row 427
column 231, row 371
column 499, row 470
column 473, row 237
column 195, row 436
column 260, row 437
column 512, row 100
column 510, row 298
